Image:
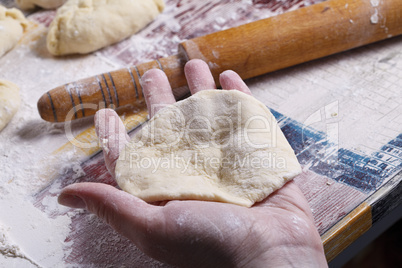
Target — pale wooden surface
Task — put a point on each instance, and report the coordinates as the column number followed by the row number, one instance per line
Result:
column 351, row 101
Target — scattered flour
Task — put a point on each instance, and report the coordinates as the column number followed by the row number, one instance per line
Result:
column 374, row 17
column 375, row 3
column 32, row 232
column 9, row 249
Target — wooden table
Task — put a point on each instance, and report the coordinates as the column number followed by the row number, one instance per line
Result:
column 342, row 115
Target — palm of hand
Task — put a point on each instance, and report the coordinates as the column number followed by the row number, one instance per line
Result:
column 231, row 235
column 277, row 231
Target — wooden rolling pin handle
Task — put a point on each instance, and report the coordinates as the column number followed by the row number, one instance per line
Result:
column 114, row 89
column 297, row 36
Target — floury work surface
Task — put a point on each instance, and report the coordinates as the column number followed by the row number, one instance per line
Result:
column 342, row 116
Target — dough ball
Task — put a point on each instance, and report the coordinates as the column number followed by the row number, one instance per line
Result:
column 12, row 26
column 83, row 26
column 217, row 145
column 9, row 101
column 48, row 4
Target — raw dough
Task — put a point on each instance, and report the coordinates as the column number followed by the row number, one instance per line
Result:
column 12, row 26
column 48, row 4
column 83, row 26
column 9, row 101
column 217, row 145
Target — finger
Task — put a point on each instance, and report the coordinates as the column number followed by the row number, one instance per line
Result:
column 112, row 136
column 126, row 213
column 198, row 76
column 157, row 90
column 231, row 80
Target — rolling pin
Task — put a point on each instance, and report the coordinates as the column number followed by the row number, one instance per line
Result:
column 250, row 50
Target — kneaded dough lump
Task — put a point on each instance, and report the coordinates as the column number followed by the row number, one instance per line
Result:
column 217, row 145
column 83, row 26
column 12, row 26
column 9, row 101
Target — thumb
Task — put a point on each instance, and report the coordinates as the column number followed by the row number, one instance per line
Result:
column 127, row 214
column 112, row 136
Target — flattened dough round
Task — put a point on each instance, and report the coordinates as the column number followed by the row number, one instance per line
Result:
column 83, row 26
column 217, row 145
column 9, row 101
column 12, row 26
column 48, row 4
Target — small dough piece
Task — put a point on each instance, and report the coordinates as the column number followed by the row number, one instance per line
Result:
column 84, row 26
column 9, row 101
column 47, row 4
column 12, row 26
column 217, row 145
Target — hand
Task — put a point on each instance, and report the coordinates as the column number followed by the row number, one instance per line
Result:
column 276, row 232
